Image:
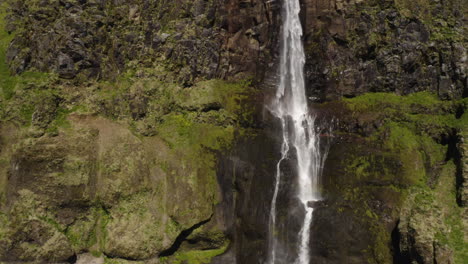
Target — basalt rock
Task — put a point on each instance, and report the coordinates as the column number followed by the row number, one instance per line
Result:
column 316, row 204
column 100, row 39
column 354, row 47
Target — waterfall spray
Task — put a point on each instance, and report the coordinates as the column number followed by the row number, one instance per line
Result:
column 299, row 131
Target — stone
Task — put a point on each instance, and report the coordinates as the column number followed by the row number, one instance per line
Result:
column 65, row 66
column 389, row 36
column 88, row 258
column 316, row 204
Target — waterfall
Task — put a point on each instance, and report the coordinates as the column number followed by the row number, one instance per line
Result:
column 299, row 132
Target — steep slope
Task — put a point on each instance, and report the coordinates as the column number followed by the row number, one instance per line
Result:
column 109, row 142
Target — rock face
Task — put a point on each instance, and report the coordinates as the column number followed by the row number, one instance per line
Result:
column 462, row 180
column 135, row 131
column 401, row 46
column 100, row 39
column 391, row 182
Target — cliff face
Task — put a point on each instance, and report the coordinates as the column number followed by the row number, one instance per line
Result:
column 134, row 131
column 113, row 115
column 398, row 46
column 394, row 177
column 102, row 39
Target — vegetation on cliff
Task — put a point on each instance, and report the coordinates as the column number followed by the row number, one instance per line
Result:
column 123, row 167
column 113, row 118
column 394, row 169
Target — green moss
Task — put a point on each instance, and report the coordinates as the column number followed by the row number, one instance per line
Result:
column 181, row 131
column 101, row 228
column 7, row 82
column 401, row 150
column 410, row 128
column 456, row 235
column 380, row 250
column 197, row 256
column 419, row 8
column 61, row 120
column 453, row 231
column 4, row 222
column 439, row 19
column 139, row 215
column 82, row 233
column 197, row 145
column 406, row 144
column 435, row 215
column 371, row 214
column 198, row 136
column 395, row 103
column 108, row 260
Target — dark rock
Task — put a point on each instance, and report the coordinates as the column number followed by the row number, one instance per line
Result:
column 65, row 66
column 74, row 38
column 316, row 204
column 381, row 34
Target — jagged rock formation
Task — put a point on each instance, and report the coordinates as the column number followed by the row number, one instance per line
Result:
column 397, row 46
column 101, row 39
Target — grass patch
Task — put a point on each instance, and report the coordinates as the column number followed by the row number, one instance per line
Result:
column 197, row 256
column 7, row 82
column 394, row 103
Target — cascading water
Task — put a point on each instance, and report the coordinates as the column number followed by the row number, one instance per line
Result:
column 299, row 132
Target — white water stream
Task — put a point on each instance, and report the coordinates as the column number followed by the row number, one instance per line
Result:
column 299, row 133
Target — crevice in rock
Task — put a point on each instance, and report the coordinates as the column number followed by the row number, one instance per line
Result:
column 398, row 256
column 121, row 258
column 453, row 153
column 459, row 111
column 181, row 238
column 72, row 259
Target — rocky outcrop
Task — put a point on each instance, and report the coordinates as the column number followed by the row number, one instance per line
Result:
column 113, row 149
column 97, row 187
column 128, row 174
column 401, row 46
column 390, row 182
column 101, row 39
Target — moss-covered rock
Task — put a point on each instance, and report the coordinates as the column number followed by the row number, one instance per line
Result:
column 100, row 39
column 32, row 233
column 194, row 256
column 390, row 181
column 140, row 216
column 431, row 223
column 402, row 46
column 102, row 177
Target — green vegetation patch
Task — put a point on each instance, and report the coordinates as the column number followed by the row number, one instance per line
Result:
column 404, row 135
column 389, row 101
column 7, row 82
column 400, row 142
column 195, row 256
column 453, row 231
